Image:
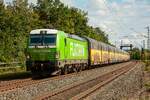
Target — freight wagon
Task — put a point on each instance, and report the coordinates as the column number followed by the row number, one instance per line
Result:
column 53, row 51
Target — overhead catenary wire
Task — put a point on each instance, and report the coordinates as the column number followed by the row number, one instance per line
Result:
column 134, row 42
column 110, row 9
column 114, row 15
column 117, row 18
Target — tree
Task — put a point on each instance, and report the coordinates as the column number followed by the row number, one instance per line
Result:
column 17, row 21
column 136, row 54
column 71, row 20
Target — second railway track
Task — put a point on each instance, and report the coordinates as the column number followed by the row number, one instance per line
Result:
column 5, row 86
column 80, row 90
column 26, row 82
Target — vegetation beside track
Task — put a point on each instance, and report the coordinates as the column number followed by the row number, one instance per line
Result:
column 147, row 65
column 11, row 67
column 4, row 70
column 15, row 75
column 147, row 85
column 9, row 71
column 147, row 71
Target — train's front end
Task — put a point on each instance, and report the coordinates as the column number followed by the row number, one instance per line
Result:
column 41, row 51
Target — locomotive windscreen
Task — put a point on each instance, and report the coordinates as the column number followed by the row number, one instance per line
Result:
column 42, row 39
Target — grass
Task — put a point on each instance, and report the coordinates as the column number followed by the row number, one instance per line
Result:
column 16, row 75
column 147, row 69
column 147, row 85
column 4, row 70
column 17, row 72
column 147, row 65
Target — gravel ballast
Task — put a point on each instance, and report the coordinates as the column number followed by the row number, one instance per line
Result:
column 31, row 91
column 122, row 88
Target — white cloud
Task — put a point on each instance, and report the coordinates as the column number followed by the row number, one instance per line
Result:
column 32, row 1
column 125, row 41
column 68, row 2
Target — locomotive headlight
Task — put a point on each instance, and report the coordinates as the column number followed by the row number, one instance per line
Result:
column 57, row 55
column 28, row 57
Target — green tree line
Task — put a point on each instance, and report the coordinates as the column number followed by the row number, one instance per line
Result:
column 138, row 54
column 18, row 18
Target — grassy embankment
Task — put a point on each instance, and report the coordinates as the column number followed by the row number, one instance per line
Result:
column 13, row 72
column 147, row 69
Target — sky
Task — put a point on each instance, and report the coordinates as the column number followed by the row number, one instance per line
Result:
column 122, row 20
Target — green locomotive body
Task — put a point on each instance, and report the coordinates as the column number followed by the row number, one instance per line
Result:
column 51, row 50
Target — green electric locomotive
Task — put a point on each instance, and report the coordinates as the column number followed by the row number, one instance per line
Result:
column 52, row 51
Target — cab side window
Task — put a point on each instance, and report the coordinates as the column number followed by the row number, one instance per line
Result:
column 65, row 41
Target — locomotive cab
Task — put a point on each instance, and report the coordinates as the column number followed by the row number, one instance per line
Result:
column 41, row 51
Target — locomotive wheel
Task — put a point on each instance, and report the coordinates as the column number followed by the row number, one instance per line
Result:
column 60, row 72
column 65, row 71
column 79, row 69
column 83, row 67
column 89, row 67
column 75, row 70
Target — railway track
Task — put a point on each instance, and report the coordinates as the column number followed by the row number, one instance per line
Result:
column 80, row 90
column 14, row 84
column 26, row 82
